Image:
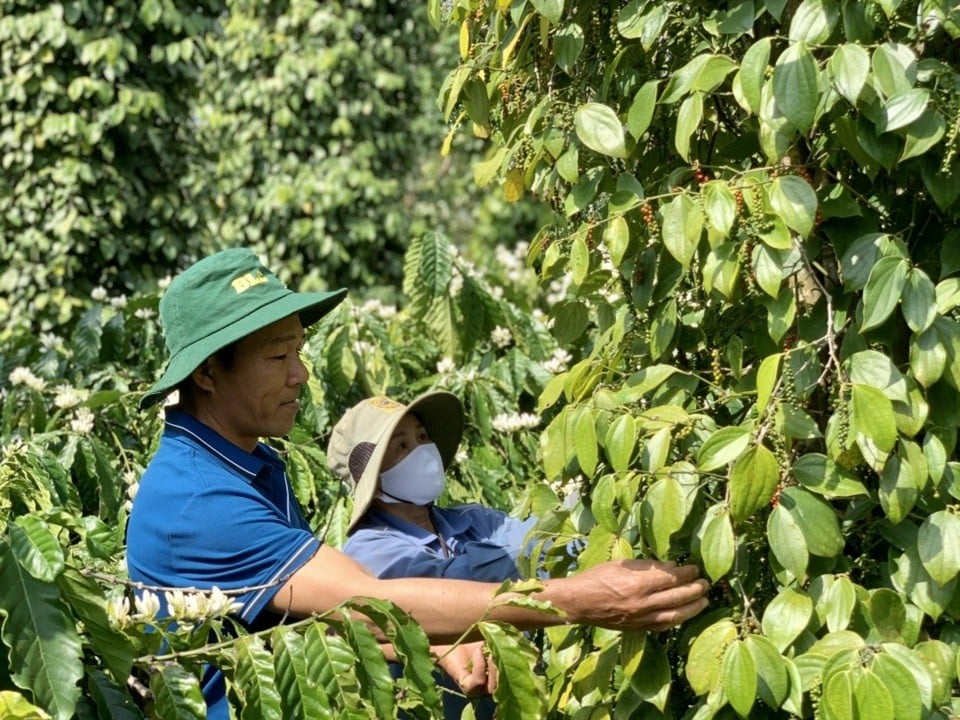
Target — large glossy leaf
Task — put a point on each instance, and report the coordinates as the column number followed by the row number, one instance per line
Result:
column 795, row 201
column 823, row 476
column 871, row 414
column 795, row 78
column 752, row 482
column 816, row 519
column 705, row 659
column 883, row 290
column 646, row 664
column 904, row 690
column 428, row 269
column 724, row 446
column 718, row 545
column 787, row 542
column 902, row 109
column 641, row 109
column 752, row 73
column 938, row 543
column 739, row 674
column 786, row 616
column 45, row 650
column 813, row 21
column 373, row 673
column 330, row 661
column 849, row 67
column 111, row 700
column 299, row 694
column 872, row 697
column 521, row 692
column 255, row 679
column 681, row 227
column 689, row 117
column 599, row 128
column 176, row 695
column 664, row 509
column 36, row 548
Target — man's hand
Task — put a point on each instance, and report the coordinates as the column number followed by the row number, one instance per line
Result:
column 471, row 669
column 631, row 595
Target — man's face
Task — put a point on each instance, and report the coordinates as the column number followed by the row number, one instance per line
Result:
column 258, row 395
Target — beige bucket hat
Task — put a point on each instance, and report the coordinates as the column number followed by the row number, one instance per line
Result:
column 359, row 440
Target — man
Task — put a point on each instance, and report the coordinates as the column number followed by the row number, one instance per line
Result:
column 215, row 507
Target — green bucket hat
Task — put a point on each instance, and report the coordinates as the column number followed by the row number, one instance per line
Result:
column 219, row 300
column 359, row 440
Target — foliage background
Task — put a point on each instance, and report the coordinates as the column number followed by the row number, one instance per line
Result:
column 732, row 332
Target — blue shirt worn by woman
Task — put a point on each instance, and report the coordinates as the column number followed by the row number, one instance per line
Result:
column 472, row 542
column 209, row 513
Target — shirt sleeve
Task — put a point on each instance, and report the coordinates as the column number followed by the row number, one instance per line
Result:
column 223, row 534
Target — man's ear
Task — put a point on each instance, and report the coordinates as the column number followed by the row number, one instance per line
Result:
column 203, row 377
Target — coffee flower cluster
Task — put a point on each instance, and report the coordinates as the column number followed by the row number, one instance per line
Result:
column 507, row 422
column 187, row 608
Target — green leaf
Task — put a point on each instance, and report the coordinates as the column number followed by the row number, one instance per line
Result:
column 753, row 481
column 720, row 206
column 795, row 201
column 813, row 22
column 919, row 300
column 899, row 488
column 89, row 606
column 912, row 579
column 922, row 134
column 330, row 662
column 786, row 616
column 839, row 601
column 664, row 511
column 849, row 67
column 428, row 269
column 373, row 673
column 871, row 415
column 787, row 542
column 681, row 227
column 176, row 694
column 298, row 692
column 901, row 685
column 36, row 548
column 795, row 78
column 894, row 68
column 723, row 446
column 616, row 237
column 816, row 519
column 773, row 685
column 579, row 260
column 111, row 701
column 621, row 442
column 567, row 46
column 768, row 269
column 752, row 74
column 823, row 476
column 938, row 544
column 599, row 128
column 705, row 660
column 663, row 327
column 873, row 368
column 255, row 679
column 45, row 649
column 837, row 699
column 646, row 665
column 721, row 269
column 688, row 120
column 603, row 499
column 902, row 109
column 521, row 692
column 739, row 677
column 570, row 320
column 717, row 542
column 871, row 697
column 552, row 10
column 586, row 442
column 767, row 376
column 641, row 109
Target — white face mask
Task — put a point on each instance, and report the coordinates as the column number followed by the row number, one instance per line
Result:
column 417, row 479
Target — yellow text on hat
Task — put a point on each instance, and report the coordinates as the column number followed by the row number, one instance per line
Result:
column 385, row 404
column 245, row 282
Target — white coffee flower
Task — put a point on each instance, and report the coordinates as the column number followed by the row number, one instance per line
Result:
column 506, row 422
column 82, row 422
column 176, row 603
column 147, row 605
column 219, row 603
column 68, row 397
column 118, row 612
column 24, row 376
column 144, row 313
column 164, row 282
column 51, row 341
column 501, row 337
column 119, row 302
column 99, row 293
column 558, row 362
column 446, row 366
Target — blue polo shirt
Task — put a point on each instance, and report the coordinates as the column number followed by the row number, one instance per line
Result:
column 478, row 543
column 207, row 514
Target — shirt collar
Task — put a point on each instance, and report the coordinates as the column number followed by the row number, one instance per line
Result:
column 249, row 464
